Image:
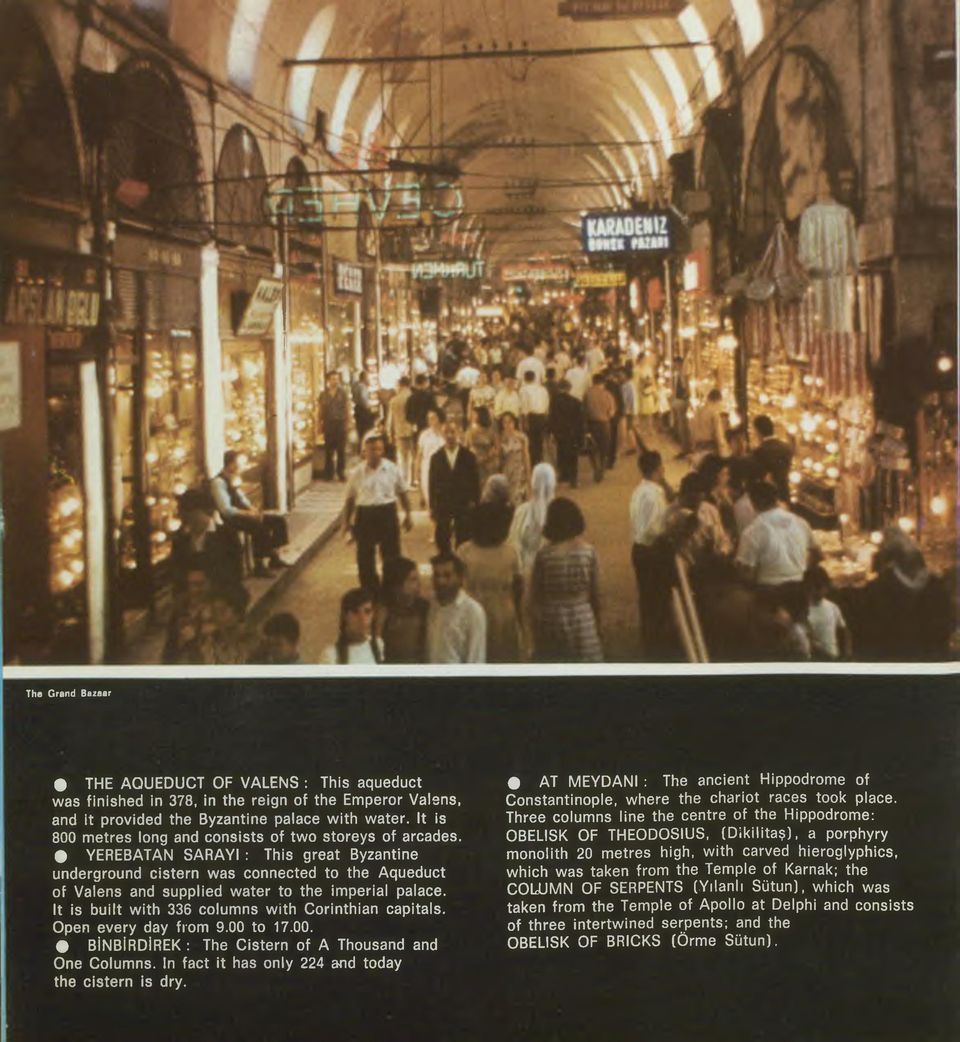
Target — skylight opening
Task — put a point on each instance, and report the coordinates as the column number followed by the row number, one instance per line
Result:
column 245, row 32
column 695, row 31
column 302, row 77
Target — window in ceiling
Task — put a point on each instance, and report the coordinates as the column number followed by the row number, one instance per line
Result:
column 692, row 25
column 750, row 23
column 245, row 41
column 302, row 77
column 641, row 134
column 341, row 107
column 657, row 111
column 678, row 89
column 375, row 116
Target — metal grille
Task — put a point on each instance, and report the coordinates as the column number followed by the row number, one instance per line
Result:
column 241, row 184
column 152, row 159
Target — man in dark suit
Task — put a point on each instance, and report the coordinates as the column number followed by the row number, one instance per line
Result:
column 454, row 488
column 566, row 426
column 772, row 457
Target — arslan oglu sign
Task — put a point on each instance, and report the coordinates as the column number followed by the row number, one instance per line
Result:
column 619, row 231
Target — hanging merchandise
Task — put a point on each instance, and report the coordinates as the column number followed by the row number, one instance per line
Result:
column 828, row 249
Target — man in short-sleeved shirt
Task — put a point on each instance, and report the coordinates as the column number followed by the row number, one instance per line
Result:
column 373, row 491
column 778, row 546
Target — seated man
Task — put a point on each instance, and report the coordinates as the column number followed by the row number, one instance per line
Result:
column 268, row 531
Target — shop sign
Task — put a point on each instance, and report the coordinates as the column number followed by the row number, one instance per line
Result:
column 599, row 279
column 427, row 271
column 348, row 278
column 9, row 386
column 401, row 205
column 257, row 318
column 618, row 231
column 608, row 10
column 68, row 296
column 535, row 272
column 693, row 272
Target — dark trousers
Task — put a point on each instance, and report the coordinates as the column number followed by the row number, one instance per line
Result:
column 365, row 419
column 568, row 458
column 453, row 528
column 268, row 533
column 614, row 442
column 536, row 429
column 653, row 595
column 375, row 527
column 335, row 443
column 600, row 450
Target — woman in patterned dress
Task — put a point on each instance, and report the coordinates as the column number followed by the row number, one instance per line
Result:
column 481, row 439
column 564, row 595
column 514, row 458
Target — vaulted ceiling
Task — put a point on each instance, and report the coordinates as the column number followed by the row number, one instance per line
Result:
column 616, row 116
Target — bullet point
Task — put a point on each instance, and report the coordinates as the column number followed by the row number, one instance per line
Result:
column 513, row 783
column 63, row 947
column 60, row 856
column 60, row 784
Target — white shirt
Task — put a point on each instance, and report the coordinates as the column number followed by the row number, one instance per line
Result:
column 596, row 360
column 452, row 455
column 467, row 377
column 357, row 654
column 824, row 620
column 561, row 362
column 744, row 513
column 648, row 507
column 579, row 379
column 390, row 376
column 456, row 632
column 534, row 398
column 777, row 546
column 506, row 401
column 376, row 488
column 534, row 365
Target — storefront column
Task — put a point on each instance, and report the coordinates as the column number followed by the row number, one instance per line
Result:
column 278, row 410
column 95, row 488
column 214, row 442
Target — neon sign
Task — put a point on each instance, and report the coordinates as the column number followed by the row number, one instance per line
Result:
column 430, row 270
column 395, row 206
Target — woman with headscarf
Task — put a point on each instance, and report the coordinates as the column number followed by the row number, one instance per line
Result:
column 429, row 442
column 494, row 579
column 526, row 532
column 907, row 611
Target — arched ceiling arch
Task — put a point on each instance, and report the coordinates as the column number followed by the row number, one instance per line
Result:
column 625, row 112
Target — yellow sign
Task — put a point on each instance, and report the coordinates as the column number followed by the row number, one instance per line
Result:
column 599, row 279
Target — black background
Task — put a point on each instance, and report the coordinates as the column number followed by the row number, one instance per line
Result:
column 834, row 977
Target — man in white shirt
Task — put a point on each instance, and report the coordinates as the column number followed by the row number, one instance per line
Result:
column 531, row 364
column 534, row 410
column 648, row 508
column 507, row 399
column 400, row 430
column 374, row 488
column 595, row 359
column 456, row 623
column 778, row 546
column 578, row 376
